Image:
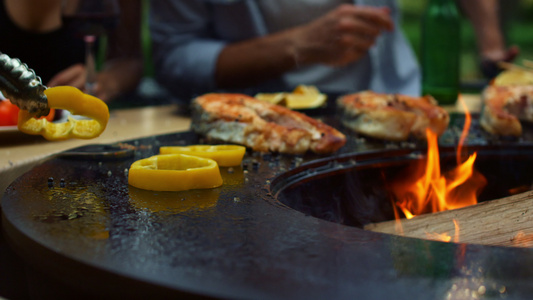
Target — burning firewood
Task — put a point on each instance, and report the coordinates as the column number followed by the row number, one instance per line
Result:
column 501, row 222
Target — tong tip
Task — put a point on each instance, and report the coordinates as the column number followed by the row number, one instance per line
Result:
column 22, row 86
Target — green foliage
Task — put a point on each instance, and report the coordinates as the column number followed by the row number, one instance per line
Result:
column 517, row 23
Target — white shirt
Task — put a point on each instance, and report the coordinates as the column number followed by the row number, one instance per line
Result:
column 283, row 14
column 189, row 35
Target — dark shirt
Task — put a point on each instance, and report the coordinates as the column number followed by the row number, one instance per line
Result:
column 46, row 53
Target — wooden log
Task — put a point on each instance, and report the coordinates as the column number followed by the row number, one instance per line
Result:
column 502, row 222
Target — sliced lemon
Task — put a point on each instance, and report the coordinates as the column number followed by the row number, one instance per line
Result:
column 514, row 77
column 305, row 101
column 302, row 97
column 306, row 89
column 274, row 98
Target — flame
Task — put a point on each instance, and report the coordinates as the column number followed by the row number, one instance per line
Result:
column 426, row 190
column 456, row 236
column 464, row 133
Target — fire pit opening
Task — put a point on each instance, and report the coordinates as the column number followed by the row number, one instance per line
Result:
column 356, row 190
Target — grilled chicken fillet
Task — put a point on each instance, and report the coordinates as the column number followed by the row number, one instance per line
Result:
column 504, row 107
column 262, row 126
column 391, row 116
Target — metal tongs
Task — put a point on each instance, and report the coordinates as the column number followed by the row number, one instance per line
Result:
column 22, row 86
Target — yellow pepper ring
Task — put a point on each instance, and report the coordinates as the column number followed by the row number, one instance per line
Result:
column 78, row 103
column 174, row 172
column 224, row 155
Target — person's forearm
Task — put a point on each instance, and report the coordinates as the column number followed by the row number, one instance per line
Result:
column 119, row 76
column 250, row 62
column 483, row 14
column 341, row 36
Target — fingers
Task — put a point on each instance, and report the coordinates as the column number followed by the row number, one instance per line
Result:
column 73, row 76
column 511, row 53
column 358, row 28
column 364, row 22
column 349, row 56
column 353, row 26
column 341, row 36
column 359, row 43
column 489, row 64
column 376, row 17
column 100, row 92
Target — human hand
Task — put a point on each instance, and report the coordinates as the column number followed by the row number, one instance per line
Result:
column 74, row 75
column 341, row 36
column 106, row 87
column 119, row 76
column 489, row 61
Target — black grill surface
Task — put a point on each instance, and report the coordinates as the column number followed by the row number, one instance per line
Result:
column 75, row 219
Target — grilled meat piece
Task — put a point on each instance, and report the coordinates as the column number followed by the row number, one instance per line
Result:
column 262, row 126
column 391, row 116
column 504, row 107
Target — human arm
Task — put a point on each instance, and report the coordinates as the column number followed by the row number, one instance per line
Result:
column 122, row 68
column 74, row 75
column 184, row 48
column 483, row 14
column 190, row 54
column 341, row 36
column 120, row 75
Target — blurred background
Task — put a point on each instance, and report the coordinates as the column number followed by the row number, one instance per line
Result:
column 517, row 22
column 516, row 19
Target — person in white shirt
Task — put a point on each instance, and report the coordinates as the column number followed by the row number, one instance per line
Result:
column 251, row 46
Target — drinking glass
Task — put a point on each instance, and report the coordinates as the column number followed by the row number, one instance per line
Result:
column 90, row 19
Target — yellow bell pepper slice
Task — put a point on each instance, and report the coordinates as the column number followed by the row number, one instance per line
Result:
column 174, row 172
column 78, row 103
column 224, row 155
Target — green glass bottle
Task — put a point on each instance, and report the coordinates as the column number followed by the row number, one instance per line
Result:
column 441, row 50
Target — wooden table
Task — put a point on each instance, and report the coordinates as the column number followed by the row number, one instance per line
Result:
column 20, row 152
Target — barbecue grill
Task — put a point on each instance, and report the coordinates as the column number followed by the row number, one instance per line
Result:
column 281, row 227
